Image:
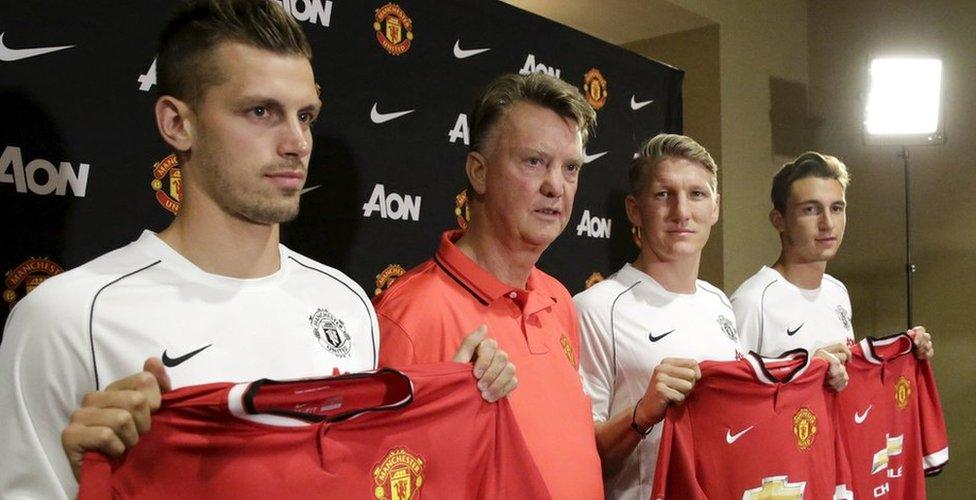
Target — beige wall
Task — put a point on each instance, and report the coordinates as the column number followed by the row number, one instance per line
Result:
column 758, row 40
column 843, row 36
column 697, row 53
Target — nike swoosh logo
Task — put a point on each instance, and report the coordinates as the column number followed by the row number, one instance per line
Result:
column 465, row 53
column 859, row 418
column 652, row 338
column 378, row 117
column 171, row 362
column 731, row 438
column 588, row 158
column 309, row 189
column 7, row 54
column 793, row 331
column 635, row 105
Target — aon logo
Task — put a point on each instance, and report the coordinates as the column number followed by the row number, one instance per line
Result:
column 594, row 227
column 392, row 206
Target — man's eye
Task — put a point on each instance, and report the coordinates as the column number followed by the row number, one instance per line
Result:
column 661, row 195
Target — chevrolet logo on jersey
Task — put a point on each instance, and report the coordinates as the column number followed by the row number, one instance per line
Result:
column 776, row 488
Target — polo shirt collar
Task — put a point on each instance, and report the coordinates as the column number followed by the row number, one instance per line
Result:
column 483, row 285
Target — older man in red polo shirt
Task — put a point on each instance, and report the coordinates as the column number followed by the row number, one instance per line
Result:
column 527, row 138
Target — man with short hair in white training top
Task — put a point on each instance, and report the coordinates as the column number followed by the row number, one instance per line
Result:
column 214, row 295
column 794, row 303
column 644, row 329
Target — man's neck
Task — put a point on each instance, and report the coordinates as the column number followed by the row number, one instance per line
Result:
column 510, row 263
column 806, row 275
column 676, row 276
column 219, row 243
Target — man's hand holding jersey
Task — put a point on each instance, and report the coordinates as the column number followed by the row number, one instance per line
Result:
column 670, row 383
column 836, row 355
column 110, row 421
column 923, row 342
column 495, row 373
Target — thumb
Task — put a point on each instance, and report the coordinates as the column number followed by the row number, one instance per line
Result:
column 470, row 345
column 155, row 366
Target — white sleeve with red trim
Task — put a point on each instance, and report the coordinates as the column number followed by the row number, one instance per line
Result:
column 935, row 440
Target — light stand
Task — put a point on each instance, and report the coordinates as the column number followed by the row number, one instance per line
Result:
column 903, row 108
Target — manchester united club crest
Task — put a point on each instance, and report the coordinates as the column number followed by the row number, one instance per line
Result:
column 399, row 475
column 804, row 427
column 331, row 333
column 568, row 350
column 778, row 487
column 462, row 210
column 595, row 88
column 386, row 278
column 394, row 30
column 168, row 183
column 845, row 319
column 903, row 391
column 27, row 276
column 594, row 278
column 726, row 325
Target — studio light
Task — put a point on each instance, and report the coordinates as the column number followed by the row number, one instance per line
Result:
column 904, row 108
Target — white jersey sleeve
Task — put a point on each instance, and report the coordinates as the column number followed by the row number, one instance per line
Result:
column 596, row 355
column 44, row 367
column 748, row 316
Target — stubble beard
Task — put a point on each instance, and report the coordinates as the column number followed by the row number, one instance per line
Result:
column 263, row 205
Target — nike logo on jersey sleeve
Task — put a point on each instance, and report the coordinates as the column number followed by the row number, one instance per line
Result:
column 793, row 331
column 731, row 438
column 171, row 362
column 652, row 338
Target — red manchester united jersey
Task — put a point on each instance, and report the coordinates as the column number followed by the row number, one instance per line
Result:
column 756, row 428
column 890, row 419
column 424, row 432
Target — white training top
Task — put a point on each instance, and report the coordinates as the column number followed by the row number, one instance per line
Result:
column 628, row 324
column 83, row 329
column 776, row 316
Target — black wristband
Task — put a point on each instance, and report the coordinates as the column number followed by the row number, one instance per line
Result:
column 633, row 422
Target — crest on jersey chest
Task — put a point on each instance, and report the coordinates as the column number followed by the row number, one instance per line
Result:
column 727, row 327
column 845, row 319
column 399, row 475
column 331, row 332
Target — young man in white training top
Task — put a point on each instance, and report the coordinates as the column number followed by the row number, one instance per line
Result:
column 215, row 296
column 644, row 329
column 794, row 303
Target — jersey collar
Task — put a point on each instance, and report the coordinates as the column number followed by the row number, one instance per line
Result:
column 484, row 286
column 791, row 364
column 879, row 350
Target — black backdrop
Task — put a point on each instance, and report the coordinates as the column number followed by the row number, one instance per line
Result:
column 79, row 144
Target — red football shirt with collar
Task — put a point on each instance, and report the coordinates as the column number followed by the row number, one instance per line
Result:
column 426, row 314
column 756, row 428
column 890, row 419
column 385, row 435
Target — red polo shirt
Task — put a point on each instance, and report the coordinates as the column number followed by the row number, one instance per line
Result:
column 425, row 315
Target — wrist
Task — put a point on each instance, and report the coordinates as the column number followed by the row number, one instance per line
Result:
column 639, row 422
